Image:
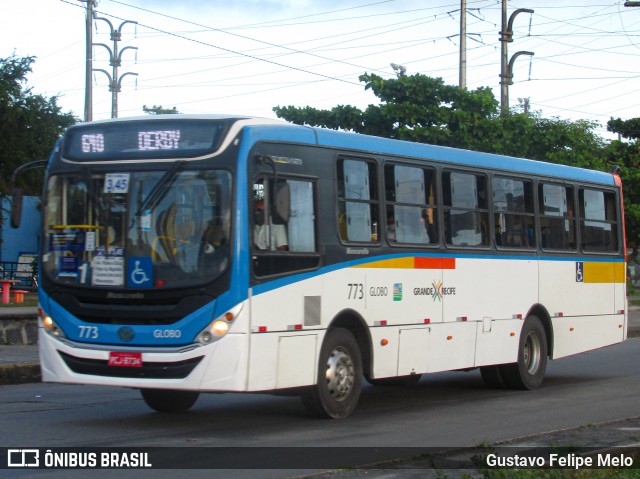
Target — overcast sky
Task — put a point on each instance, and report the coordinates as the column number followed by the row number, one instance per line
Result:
column 214, row 56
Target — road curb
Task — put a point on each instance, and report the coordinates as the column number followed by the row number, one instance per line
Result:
column 19, row 374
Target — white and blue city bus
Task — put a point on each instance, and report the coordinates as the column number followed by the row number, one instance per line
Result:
column 185, row 254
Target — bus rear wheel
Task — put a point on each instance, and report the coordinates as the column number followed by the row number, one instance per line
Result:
column 339, row 380
column 528, row 371
column 169, row 400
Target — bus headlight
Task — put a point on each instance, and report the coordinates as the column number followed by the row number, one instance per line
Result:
column 50, row 325
column 219, row 326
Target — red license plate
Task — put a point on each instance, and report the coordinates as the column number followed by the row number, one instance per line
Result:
column 125, row 360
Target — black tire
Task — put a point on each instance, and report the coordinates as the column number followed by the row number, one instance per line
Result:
column 169, row 400
column 339, row 380
column 492, row 376
column 408, row 381
column 528, row 372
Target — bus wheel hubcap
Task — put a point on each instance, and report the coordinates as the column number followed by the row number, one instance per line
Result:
column 532, row 353
column 340, row 374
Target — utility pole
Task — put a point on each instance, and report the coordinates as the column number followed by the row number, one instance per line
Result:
column 506, row 70
column 88, row 90
column 115, row 60
column 463, row 44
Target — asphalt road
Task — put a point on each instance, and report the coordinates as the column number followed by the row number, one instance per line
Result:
column 444, row 410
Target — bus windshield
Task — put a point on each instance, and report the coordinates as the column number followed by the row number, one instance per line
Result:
column 137, row 229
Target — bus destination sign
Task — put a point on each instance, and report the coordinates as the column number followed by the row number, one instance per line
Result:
column 148, row 139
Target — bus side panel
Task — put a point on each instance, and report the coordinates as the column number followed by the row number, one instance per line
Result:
column 279, row 361
column 496, row 288
column 453, row 346
column 572, row 335
column 578, row 288
column 498, row 341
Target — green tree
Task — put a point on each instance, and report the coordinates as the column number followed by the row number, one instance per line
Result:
column 424, row 109
column 626, row 154
column 30, row 124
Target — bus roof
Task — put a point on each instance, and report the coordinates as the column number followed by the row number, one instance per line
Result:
column 357, row 142
column 277, row 130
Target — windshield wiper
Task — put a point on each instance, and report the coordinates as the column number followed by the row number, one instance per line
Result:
column 161, row 188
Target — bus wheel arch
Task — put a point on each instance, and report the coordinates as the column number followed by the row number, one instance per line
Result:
column 541, row 313
column 529, row 369
column 340, row 369
column 356, row 325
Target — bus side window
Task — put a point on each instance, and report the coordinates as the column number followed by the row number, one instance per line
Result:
column 513, row 213
column 411, row 210
column 284, row 226
column 557, row 218
column 466, row 215
column 598, row 221
column 357, row 201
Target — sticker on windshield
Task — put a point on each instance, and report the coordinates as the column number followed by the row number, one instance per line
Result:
column 108, row 270
column 145, row 220
column 116, row 183
column 140, row 272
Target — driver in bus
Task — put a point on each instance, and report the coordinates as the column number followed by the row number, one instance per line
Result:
column 268, row 236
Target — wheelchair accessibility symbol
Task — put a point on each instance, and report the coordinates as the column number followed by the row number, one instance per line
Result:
column 140, row 272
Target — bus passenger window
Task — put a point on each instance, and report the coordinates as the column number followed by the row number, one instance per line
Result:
column 466, row 215
column 598, row 221
column 411, row 205
column 513, row 213
column 357, row 201
column 557, row 218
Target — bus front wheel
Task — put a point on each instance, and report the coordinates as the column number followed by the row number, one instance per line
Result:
column 169, row 400
column 528, row 371
column 339, row 379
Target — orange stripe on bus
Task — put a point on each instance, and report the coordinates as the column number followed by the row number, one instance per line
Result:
column 411, row 263
column 434, row 263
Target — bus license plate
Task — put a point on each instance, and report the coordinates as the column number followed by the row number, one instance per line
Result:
column 125, row 360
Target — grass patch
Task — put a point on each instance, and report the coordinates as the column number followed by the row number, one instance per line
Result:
column 30, row 300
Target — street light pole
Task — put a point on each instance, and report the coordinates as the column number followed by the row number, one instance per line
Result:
column 88, row 91
column 506, row 70
column 463, row 44
column 115, row 60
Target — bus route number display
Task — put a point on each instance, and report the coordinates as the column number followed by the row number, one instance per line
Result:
column 143, row 139
column 147, row 141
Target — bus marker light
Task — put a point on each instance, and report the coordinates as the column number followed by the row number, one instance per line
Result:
column 512, row 334
column 427, row 320
column 517, row 316
column 384, row 342
column 449, row 338
column 295, row 327
column 160, row 283
column 380, row 323
column 560, row 314
column 570, row 329
column 621, row 311
column 229, row 316
column 462, row 318
column 262, row 329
